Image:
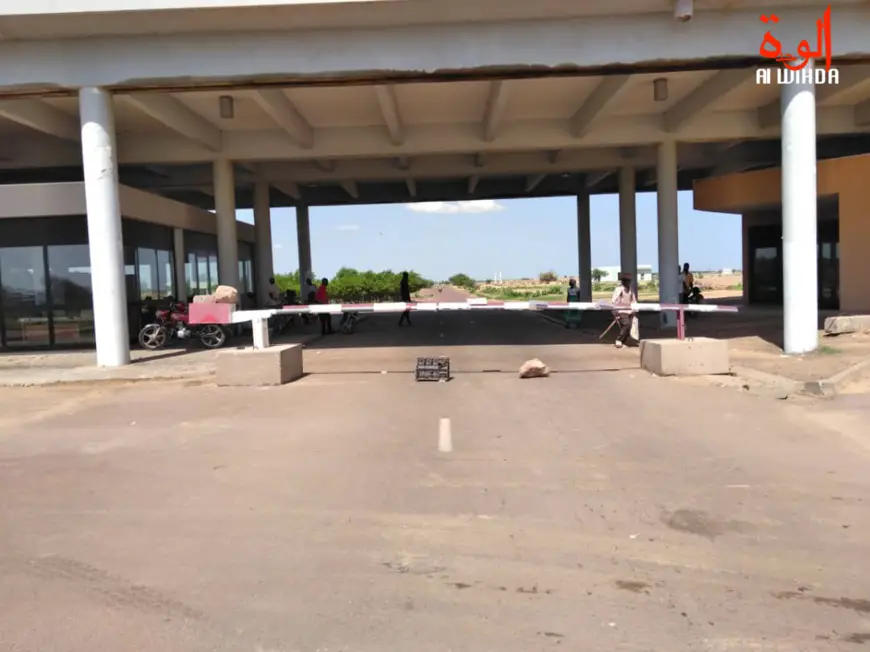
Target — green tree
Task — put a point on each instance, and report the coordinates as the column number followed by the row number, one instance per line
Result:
column 462, row 281
column 598, row 274
column 548, row 277
column 349, row 284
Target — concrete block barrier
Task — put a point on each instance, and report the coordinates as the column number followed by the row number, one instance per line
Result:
column 843, row 324
column 699, row 356
column 249, row 367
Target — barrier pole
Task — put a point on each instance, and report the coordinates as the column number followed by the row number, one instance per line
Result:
column 681, row 323
column 260, row 327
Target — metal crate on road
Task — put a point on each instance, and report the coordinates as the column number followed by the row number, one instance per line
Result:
column 437, row 369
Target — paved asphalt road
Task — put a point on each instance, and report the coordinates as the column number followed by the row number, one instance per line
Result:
column 594, row 510
column 480, row 341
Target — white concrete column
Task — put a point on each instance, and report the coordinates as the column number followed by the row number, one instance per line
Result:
column 263, row 233
column 105, row 242
column 584, row 246
column 225, row 213
column 668, row 223
column 180, row 256
column 628, row 223
column 799, row 257
column 303, row 238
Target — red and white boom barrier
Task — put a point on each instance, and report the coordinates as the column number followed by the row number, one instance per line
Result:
column 260, row 318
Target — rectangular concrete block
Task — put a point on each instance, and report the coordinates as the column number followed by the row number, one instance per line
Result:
column 844, row 324
column 249, row 367
column 699, row 356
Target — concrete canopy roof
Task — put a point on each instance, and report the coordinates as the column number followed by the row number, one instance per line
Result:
column 435, row 141
column 520, row 99
column 48, row 19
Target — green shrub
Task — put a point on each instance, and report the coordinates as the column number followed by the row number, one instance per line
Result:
column 548, row 277
column 462, row 281
column 353, row 285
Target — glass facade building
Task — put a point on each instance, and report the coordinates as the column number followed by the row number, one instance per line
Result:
column 765, row 260
column 45, row 275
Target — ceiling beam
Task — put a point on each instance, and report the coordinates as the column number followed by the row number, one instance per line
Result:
column 325, row 165
column 412, row 187
column 533, row 181
column 443, row 139
column 593, row 180
column 480, row 160
column 851, row 78
column 741, row 156
column 553, row 156
column 284, row 113
column 159, row 171
column 472, row 183
column 41, row 116
column 595, row 104
column 178, row 117
column 732, row 168
column 496, row 106
column 704, row 96
column 862, row 114
column 350, row 188
column 391, row 113
column 769, row 115
column 288, row 188
column 457, row 166
column 403, row 163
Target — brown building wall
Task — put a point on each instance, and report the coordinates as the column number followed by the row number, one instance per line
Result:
column 848, row 178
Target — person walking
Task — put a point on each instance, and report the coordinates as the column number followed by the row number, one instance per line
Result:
column 405, row 296
column 322, row 297
column 573, row 316
column 623, row 295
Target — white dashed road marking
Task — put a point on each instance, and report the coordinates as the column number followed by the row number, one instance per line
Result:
column 445, row 439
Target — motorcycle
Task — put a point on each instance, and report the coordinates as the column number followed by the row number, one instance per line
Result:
column 172, row 322
column 348, row 323
column 694, row 298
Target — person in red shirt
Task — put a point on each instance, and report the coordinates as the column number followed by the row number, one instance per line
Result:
column 322, row 297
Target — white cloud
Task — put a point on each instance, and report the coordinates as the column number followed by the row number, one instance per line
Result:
column 474, row 206
column 347, row 227
column 480, row 206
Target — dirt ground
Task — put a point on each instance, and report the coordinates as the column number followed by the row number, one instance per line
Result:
column 755, row 341
column 718, row 284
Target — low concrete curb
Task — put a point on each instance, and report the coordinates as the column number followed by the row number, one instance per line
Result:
column 45, row 376
column 778, row 387
column 826, row 388
column 89, row 375
column 832, row 386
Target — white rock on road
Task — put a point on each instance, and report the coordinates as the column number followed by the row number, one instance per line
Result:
column 534, row 369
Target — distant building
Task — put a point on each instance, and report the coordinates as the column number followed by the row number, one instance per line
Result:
column 611, row 274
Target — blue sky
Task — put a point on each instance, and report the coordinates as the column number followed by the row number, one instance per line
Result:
column 519, row 238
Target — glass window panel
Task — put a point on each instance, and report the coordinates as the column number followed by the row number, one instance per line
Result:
column 73, row 326
column 166, row 286
column 246, row 281
column 24, row 300
column 202, row 281
column 69, row 268
column 249, row 276
column 212, row 273
column 190, row 276
column 146, row 262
